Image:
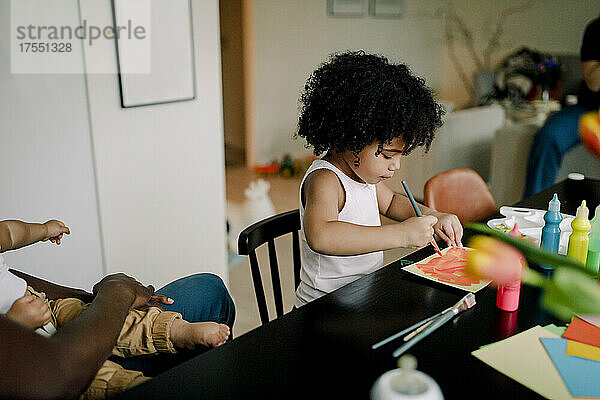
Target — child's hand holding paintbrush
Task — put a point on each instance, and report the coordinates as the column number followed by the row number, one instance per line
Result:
column 448, row 226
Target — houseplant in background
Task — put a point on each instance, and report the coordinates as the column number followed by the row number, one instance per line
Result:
column 458, row 33
column 570, row 290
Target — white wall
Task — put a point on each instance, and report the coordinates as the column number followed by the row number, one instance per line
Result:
column 46, row 165
column 294, row 36
column 160, row 168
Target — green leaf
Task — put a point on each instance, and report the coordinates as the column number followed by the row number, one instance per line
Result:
column 531, row 252
column 571, row 291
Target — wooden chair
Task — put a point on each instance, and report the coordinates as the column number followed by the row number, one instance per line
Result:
column 461, row 192
column 266, row 231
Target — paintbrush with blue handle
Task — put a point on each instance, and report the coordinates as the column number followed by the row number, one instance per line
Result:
column 464, row 304
column 419, row 214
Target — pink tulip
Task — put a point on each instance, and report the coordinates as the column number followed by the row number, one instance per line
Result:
column 494, row 260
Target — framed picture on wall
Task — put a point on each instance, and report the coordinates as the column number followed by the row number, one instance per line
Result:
column 157, row 65
column 386, row 8
column 346, row 8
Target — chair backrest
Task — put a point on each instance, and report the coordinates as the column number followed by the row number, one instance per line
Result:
column 266, row 231
column 461, row 192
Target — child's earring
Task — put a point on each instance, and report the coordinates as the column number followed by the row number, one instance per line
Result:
column 379, row 150
column 357, row 160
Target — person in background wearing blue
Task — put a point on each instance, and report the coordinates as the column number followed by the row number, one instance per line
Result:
column 560, row 132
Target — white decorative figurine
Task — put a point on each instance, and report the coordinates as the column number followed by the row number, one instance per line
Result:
column 258, row 205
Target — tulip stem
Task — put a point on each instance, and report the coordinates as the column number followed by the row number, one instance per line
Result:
column 533, row 278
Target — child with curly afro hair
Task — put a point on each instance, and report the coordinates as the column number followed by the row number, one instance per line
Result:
column 363, row 113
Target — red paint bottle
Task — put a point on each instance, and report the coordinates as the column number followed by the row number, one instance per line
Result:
column 507, row 298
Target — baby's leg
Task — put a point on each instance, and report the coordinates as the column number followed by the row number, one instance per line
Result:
column 110, row 380
column 146, row 332
column 187, row 335
column 153, row 330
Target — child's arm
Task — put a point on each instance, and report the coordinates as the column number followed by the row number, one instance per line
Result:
column 52, row 290
column 325, row 196
column 398, row 207
column 16, row 234
column 29, row 311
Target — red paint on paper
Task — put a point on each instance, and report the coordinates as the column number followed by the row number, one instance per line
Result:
column 449, row 268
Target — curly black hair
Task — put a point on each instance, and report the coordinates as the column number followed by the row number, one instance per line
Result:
column 355, row 99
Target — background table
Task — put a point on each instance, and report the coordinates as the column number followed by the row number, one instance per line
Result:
column 323, row 350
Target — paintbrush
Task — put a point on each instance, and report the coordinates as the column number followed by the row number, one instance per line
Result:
column 419, row 214
column 424, row 322
column 464, row 304
column 419, row 327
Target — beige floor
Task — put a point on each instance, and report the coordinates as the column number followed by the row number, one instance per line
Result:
column 284, row 195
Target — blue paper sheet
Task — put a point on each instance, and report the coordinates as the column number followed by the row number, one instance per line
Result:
column 579, row 374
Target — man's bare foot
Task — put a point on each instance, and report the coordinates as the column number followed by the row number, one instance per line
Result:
column 187, row 335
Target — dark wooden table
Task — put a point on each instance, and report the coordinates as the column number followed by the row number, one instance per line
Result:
column 323, row 350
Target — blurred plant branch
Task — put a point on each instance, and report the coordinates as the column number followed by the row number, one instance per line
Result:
column 456, row 31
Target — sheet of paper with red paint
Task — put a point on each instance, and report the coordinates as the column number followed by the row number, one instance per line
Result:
column 448, row 269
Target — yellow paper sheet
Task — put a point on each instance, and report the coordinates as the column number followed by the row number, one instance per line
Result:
column 583, row 350
column 522, row 357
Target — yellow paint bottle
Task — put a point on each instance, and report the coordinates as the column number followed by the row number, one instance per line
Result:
column 579, row 240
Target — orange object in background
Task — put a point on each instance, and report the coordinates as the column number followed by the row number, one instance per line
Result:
column 267, row 169
column 589, row 131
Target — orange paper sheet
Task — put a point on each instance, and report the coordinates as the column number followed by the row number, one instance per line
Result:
column 583, row 350
column 584, row 332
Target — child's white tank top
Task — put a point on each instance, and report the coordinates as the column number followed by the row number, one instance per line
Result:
column 320, row 273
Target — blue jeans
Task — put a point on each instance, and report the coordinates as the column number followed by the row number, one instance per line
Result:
column 199, row 297
column 558, row 135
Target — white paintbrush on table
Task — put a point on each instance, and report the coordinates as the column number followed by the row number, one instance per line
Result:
column 465, row 303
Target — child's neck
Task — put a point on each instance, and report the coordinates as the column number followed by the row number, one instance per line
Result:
column 340, row 160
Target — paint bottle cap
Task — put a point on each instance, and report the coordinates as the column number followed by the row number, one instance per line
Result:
column 554, row 204
column 407, row 363
column 582, row 211
column 576, row 176
column 515, row 232
column 406, row 383
column 596, row 220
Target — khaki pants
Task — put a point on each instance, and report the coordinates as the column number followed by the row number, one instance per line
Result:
column 143, row 332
